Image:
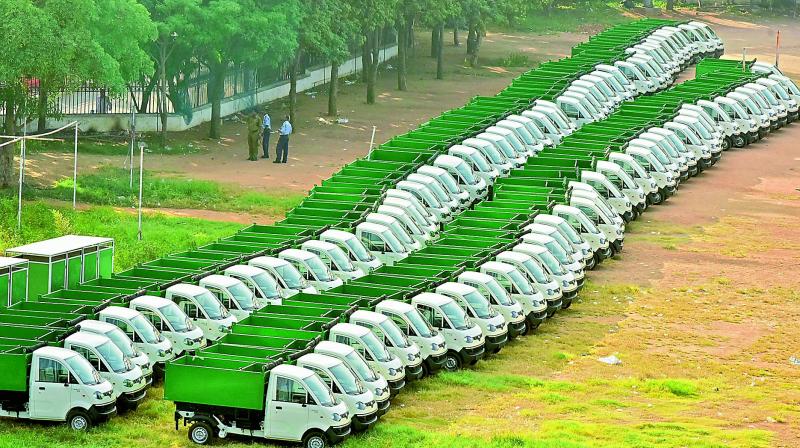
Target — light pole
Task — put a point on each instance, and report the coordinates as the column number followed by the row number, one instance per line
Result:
column 164, row 54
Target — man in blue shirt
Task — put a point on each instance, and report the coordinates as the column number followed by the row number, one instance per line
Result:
column 266, row 130
column 282, row 149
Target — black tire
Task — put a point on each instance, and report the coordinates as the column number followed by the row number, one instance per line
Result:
column 201, row 433
column 79, row 420
column 452, row 361
column 315, row 439
column 592, row 263
column 739, row 141
column 565, row 305
column 726, row 143
column 659, row 198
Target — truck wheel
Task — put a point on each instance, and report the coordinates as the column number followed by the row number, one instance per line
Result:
column 315, row 439
column 79, row 420
column 739, row 141
column 591, row 263
column 452, row 361
column 726, row 143
column 201, row 433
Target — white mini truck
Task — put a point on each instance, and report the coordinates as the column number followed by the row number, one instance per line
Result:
column 54, row 384
column 171, row 322
column 352, row 246
column 144, row 335
column 465, row 341
column 373, row 350
column 123, row 343
column 430, row 342
column 395, row 340
column 203, row 308
column 371, row 379
column 233, row 294
column 480, row 311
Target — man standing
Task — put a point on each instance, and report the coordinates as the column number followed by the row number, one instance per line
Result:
column 282, row 149
column 253, row 128
column 266, row 130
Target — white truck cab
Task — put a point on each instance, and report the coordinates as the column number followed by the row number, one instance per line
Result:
column 553, row 232
column 127, row 379
column 636, row 76
column 438, row 190
column 482, row 167
column 288, row 277
column 771, row 100
column 123, row 343
column 499, row 298
column 748, row 126
column 557, row 116
column 666, row 147
column 569, row 286
column 546, row 124
column 502, row 164
column 312, row 268
column 623, row 80
column 62, row 386
column 608, row 100
column 611, row 229
column 511, row 137
column 586, row 229
column 652, row 147
column 336, row 259
column 519, row 288
column 531, row 142
column 203, row 308
column 431, row 219
column 430, row 342
column 353, row 248
column 713, row 141
column 346, row 386
column 754, row 111
column 398, row 229
column 395, row 340
column 532, row 127
column 575, row 110
column 569, row 233
column 462, row 172
column 665, row 180
column 624, row 91
column 537, row 276
column 410, row 212
column 782, row 94
column 617, row 199
column 374, row 352
column 575, row 266
column 597, row 110
column 373, row 380
column 639, row 175
column 625, row 183
column 692, row 142
column 580, row 189
column 465, row 340
column 239, row 300
column 441, row 211
column 676, row 142
column 264, row 287
column 762, row 104
column 171, row 322
column 144, row 335
column 381, row 242
column 448, row 182
column 479, row 310
column 502, row 144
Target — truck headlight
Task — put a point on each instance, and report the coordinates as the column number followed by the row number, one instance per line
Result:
column 392, row 371
column 162, row 353
column 564, row 283
column 98, row 395
column 361, row 406
column 410, row 356
column 468, row 339
column 188, row 341
column 602, row 240
column 434, row 346
column 378, row 391
column 336, row 417
column 513, row 314
column 492, row 327
column 127, row 383
column 224, row 329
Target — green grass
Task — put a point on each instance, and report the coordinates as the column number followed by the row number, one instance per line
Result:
column 111, row 186
column 108, row 145
column 582, row 16
column 162, row 234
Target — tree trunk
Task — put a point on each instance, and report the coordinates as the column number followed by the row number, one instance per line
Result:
column 365, row 54
column 439, row 55
column 434, row 40
column 293, row 86
column 456, row 40
column 402, row 50
column 144, row 106
column 670, row 5
column 7, row 151
column 41, row 107
column 648, row 4
column 216, row 90
column 376, row 62
column 333, row 89
column 473, row 39
column 410, row 38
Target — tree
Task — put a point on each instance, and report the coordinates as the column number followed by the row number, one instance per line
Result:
column 437, row 13
column 475, row 13
column 373, row 17
column 226, row 33
column 405, row 17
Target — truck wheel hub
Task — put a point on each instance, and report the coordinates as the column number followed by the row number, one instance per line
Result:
column 200, row 435
column 316, row 442
column 79, row 423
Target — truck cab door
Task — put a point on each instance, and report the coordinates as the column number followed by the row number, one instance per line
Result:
column 288, row 411
column 50, row 390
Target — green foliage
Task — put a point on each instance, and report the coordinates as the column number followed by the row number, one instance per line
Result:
column 677, row 387
column 515, row 59
column 162, row 234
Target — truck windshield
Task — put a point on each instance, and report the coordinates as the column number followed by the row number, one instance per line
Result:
column 480, row 305
column 340, row 259
column 499, row 293
column 359, row 252
column 456, row 315
column 361, row 367
column 770, row 97
column 320, row 269
column 146, row 330
column 526, row 136
column 535, row 271
column 400, row 232
column 491, row 153
column 421, row 326
column 556, row 235
column 320, row 391
column 570, row 232
column 552, row 263
column 267, row 285
column 394, row 334
column 291, row 276
column 505, row 147
column 347, row 379
column 393, row 242
column 480, row 162
column 83, row 370
column 118, row 362
column 447, row 180
column 437, row 189
column 123, row 343
column 243, row 296
column 211, row 306
column 701, row 130
column 587, row 224
column 520, row 283
column 466, row 174
column 779, row 90
column 558, row 252
column 376, row 347
column 427, row 197
column 176, row 319
column 515, row 142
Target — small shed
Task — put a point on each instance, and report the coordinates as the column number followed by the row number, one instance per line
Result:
column 13, row 280
column 65, row 262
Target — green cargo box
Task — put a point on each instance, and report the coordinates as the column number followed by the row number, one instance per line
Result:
column 391, row 281
column 294, row 322
column 300, row 335
column 13, row 280
column 31, row 333
column 272, row 342
column 326, row 298
column 291, row 307
column 160, row 274
column 211, row 382
column 289, row 231
column 423, row 272
column 196, row 254
column 247, row 353
column 14, row 363
column 181, row 264
column 33, row 320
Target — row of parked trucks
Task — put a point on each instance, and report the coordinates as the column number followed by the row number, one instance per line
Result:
column 433, row 253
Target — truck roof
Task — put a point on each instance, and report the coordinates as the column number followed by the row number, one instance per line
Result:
column 317, row 244
column 540, row 228
column 296, row 254
column 84, row 338
column 243, row 269
column 58, row 246
column 7, row 262
column 267, row 261
column 337, row 234
column 290, row 370
column 319, row 360
column 536, row 238
column 371, row 316
column 549, row 219
column 333, row 347
column 458, row 288
column 353, row 329
column 498, row 266
column 394, row 305
column 479, row 277
column 372, row 227
column 119, row 312
column 96, row 326
column 431, row 298
column 55, row 352
column 530, row 248
column 221, row 280
column 186, row 288
column 513, row 256
column 153, row 301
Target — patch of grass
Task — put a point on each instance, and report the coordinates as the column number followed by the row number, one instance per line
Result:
column 162, row 234
column 515, row 59
column 111, row 186
column 107, row 145
column 677, row 387
column 580, row 16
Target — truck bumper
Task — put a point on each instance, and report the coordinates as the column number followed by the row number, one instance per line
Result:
column 336, row 434
column 535, row 318
column 641, row 207
column 684, row 175
column 397, row 385
column 159, row 368
column 618, row 245
column 516, row 329
column 101, row 413
column 627, row 216
column 414, row 373
column 434, row 363
column 470, row 356
column 383, row 406
column 553, row 306
column 363, row 422
column 130, row 400
column 495, row 343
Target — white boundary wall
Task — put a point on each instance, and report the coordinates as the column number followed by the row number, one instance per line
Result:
column 151, row 122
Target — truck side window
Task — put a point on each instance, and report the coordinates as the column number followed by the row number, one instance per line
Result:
column 403, row 325
column 52, row 371
column 92, row 358
column 290, row 391
column 432, row 316
column 325, row 379
column 154, row 318
column 190, row 309
column 127, row 329
column 222, row 297
column 373, row 242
